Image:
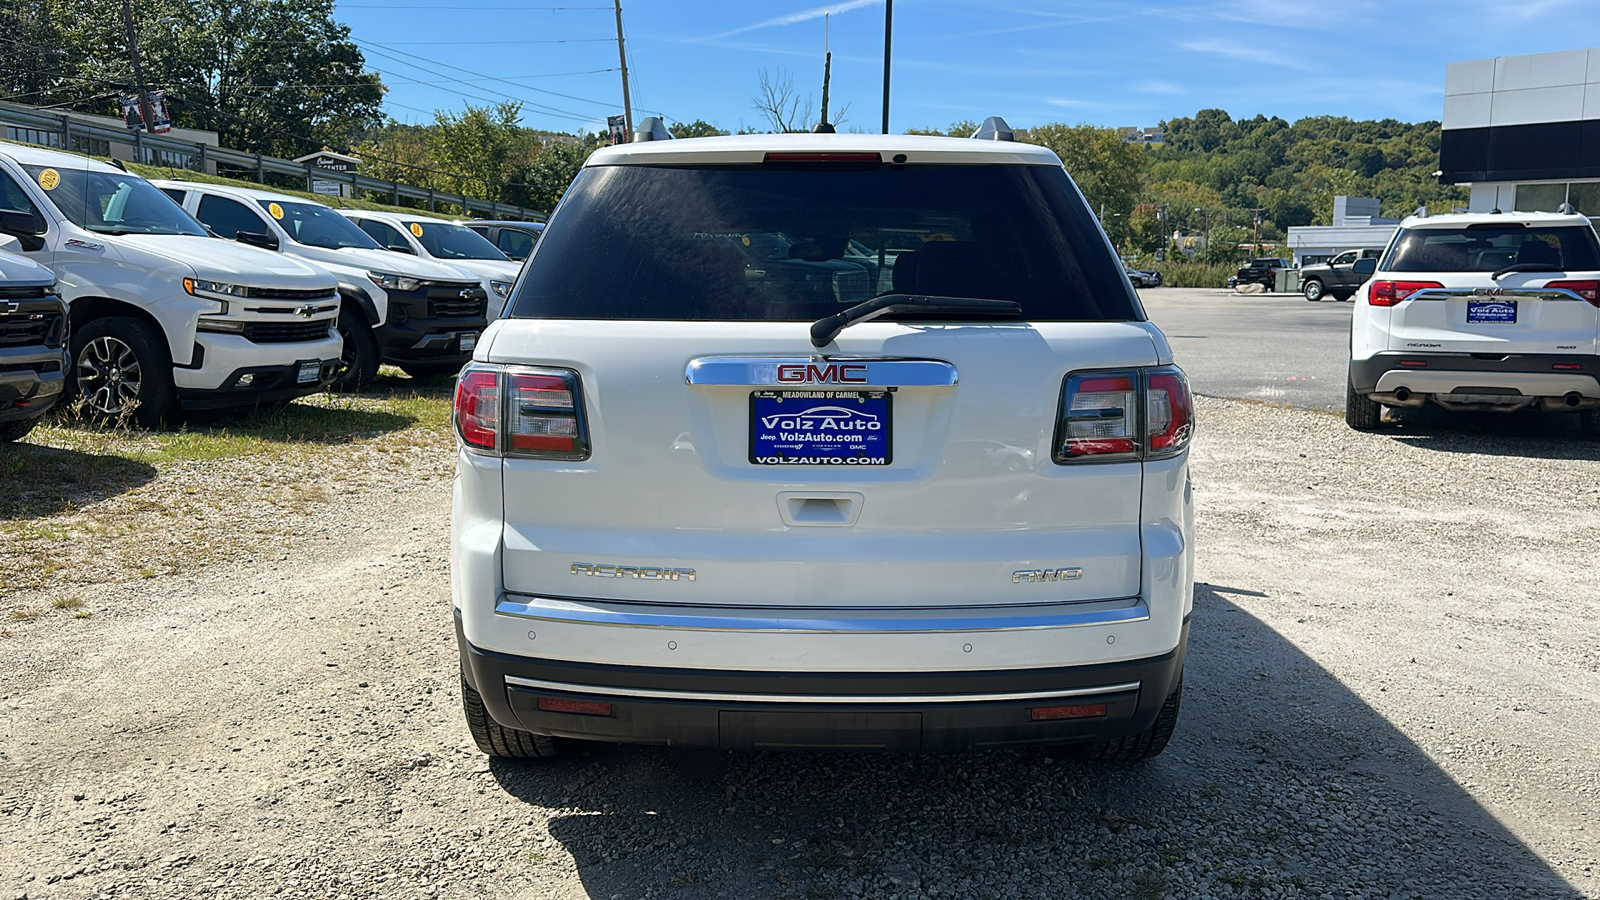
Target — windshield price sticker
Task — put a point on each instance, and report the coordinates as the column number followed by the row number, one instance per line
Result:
column 416, row 230
column 49, row 179
column 275, row 211
column 820, row 428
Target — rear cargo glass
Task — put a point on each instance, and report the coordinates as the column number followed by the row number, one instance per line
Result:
column 797, row 244
column 1490, row 248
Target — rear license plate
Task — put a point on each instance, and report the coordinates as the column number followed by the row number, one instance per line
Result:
column 820, row 428
column 1492, row 312
column 308, row 372
column 469, row 341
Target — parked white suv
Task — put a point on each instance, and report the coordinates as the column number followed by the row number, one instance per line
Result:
column 422, row 316
column 445, row 242
column 1486, row 311
column 163, row 315
column 839, row 441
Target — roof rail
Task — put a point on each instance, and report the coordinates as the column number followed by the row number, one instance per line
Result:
column 994, row 128
column 652, row 129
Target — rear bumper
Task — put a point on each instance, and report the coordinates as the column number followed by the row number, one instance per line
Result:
column 905, row 712
column 1529, row 375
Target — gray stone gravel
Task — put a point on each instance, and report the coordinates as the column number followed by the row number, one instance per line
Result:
column 1393, row 680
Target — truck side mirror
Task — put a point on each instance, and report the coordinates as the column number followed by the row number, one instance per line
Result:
column 1364, row 266
column 400, row 248
column 257, row 239
column 26, row 227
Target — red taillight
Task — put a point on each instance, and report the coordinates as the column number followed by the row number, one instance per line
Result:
column 1138, row 414
column 824, row 156
column 540, row 415
column 578, row 707
column 1388, row 293
column 1082, row 711
column 478, row 408
column 1588, row 290
column 1169, row 412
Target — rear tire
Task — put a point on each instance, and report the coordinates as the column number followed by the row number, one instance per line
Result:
column 360, row 354
column 1145, row 744
column 1361, row 412
column 497, row 740
column 16, row 431
column 1313, row 290
column 120, row 367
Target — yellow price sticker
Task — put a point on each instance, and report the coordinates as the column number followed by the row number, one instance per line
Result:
column 49, row 178
column 416, row 230
column 275, row 210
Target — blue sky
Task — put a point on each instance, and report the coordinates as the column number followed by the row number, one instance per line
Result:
column 1127, row 62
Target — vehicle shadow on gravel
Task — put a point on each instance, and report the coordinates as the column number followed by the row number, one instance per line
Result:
column 1529, row 434
column 1280, row 783
column 38, row 481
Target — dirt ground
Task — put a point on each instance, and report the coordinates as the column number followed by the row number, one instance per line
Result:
column 1392, row 690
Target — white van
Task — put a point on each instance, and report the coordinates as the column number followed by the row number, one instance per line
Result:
column 446, row 242
column 162, row 314
column 422, row 316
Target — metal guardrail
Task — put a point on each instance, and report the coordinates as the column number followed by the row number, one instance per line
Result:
column 68, row 128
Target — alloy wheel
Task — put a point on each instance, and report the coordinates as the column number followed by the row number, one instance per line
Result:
column 109, row 375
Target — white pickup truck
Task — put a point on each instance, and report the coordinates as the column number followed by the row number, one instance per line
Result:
column 818, row 440
column 163, row 314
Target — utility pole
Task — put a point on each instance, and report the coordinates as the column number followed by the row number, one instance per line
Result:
column 145, row 117
column 622, row 55
column 888, row 32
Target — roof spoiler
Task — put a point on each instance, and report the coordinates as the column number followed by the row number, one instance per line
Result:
column 994, row 128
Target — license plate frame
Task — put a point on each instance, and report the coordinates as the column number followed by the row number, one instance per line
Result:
column 861, row 420
column 1491, row 311
column 308, row 373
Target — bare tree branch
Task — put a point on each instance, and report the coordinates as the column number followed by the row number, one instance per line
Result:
column 780, row 104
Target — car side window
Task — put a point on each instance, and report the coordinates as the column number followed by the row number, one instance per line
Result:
column 12, row 196
column 382, row 233
column 1371, row 253
column 177, row 195
column 515, row 244
column 1344, row 259
column 229, row 217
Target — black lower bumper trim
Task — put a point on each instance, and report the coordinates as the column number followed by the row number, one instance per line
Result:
column 934, row 726
column 266, row 384
column 1364, row 373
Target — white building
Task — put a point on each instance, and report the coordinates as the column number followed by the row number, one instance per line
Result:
column 1523, row 132
column 1356, row 225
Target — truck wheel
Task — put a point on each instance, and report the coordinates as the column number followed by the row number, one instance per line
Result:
column 1313, row 290
column 1360, row 411
column 121, row 368
column 495, row 739
column 359, row 358
column 16, row 431
column 1143, row 745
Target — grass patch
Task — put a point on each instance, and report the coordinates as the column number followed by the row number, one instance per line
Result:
column 66, row 603
column 25, row 615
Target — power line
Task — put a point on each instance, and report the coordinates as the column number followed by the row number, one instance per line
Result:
column 495, row 8
column 550, row 110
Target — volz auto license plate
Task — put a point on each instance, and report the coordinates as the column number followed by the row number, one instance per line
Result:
column 1492, row 312
column 308, row 372
column 820, row 428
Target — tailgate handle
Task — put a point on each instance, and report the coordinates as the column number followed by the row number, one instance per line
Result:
column 835, row 508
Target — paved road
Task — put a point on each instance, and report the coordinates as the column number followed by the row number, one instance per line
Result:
column 1275, row 348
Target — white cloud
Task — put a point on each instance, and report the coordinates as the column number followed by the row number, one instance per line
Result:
column 1235, row 49
column 1158, row 87
column 794, row 18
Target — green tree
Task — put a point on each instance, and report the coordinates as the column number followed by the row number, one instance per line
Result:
column 476, row 152
column 697, row 128
column 1108, row 170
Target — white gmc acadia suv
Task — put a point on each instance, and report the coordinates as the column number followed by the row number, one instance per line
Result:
column 163, row 315
column 1486, row 311
column 800, row 441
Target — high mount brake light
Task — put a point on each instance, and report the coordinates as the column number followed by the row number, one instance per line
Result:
column 824, row 156
column 520, row 411
column 1389, row 293
column 1124, row 415
column 1588, row 290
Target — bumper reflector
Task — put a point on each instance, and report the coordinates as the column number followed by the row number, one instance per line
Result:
column 579, row 707
column 1084, row 711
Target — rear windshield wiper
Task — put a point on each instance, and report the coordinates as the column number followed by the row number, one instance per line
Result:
column 1526, row 267
column 824, row 330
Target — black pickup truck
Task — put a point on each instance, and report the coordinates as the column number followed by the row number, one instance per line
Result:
column 33, row 345
column 1262, row 271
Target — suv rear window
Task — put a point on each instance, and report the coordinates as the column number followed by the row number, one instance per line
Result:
column 1492, row 247
column 796, row 244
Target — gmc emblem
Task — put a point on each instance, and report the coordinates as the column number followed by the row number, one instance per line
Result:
column 832, row 373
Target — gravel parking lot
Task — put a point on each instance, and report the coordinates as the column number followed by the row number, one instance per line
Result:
column 1393, row 681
